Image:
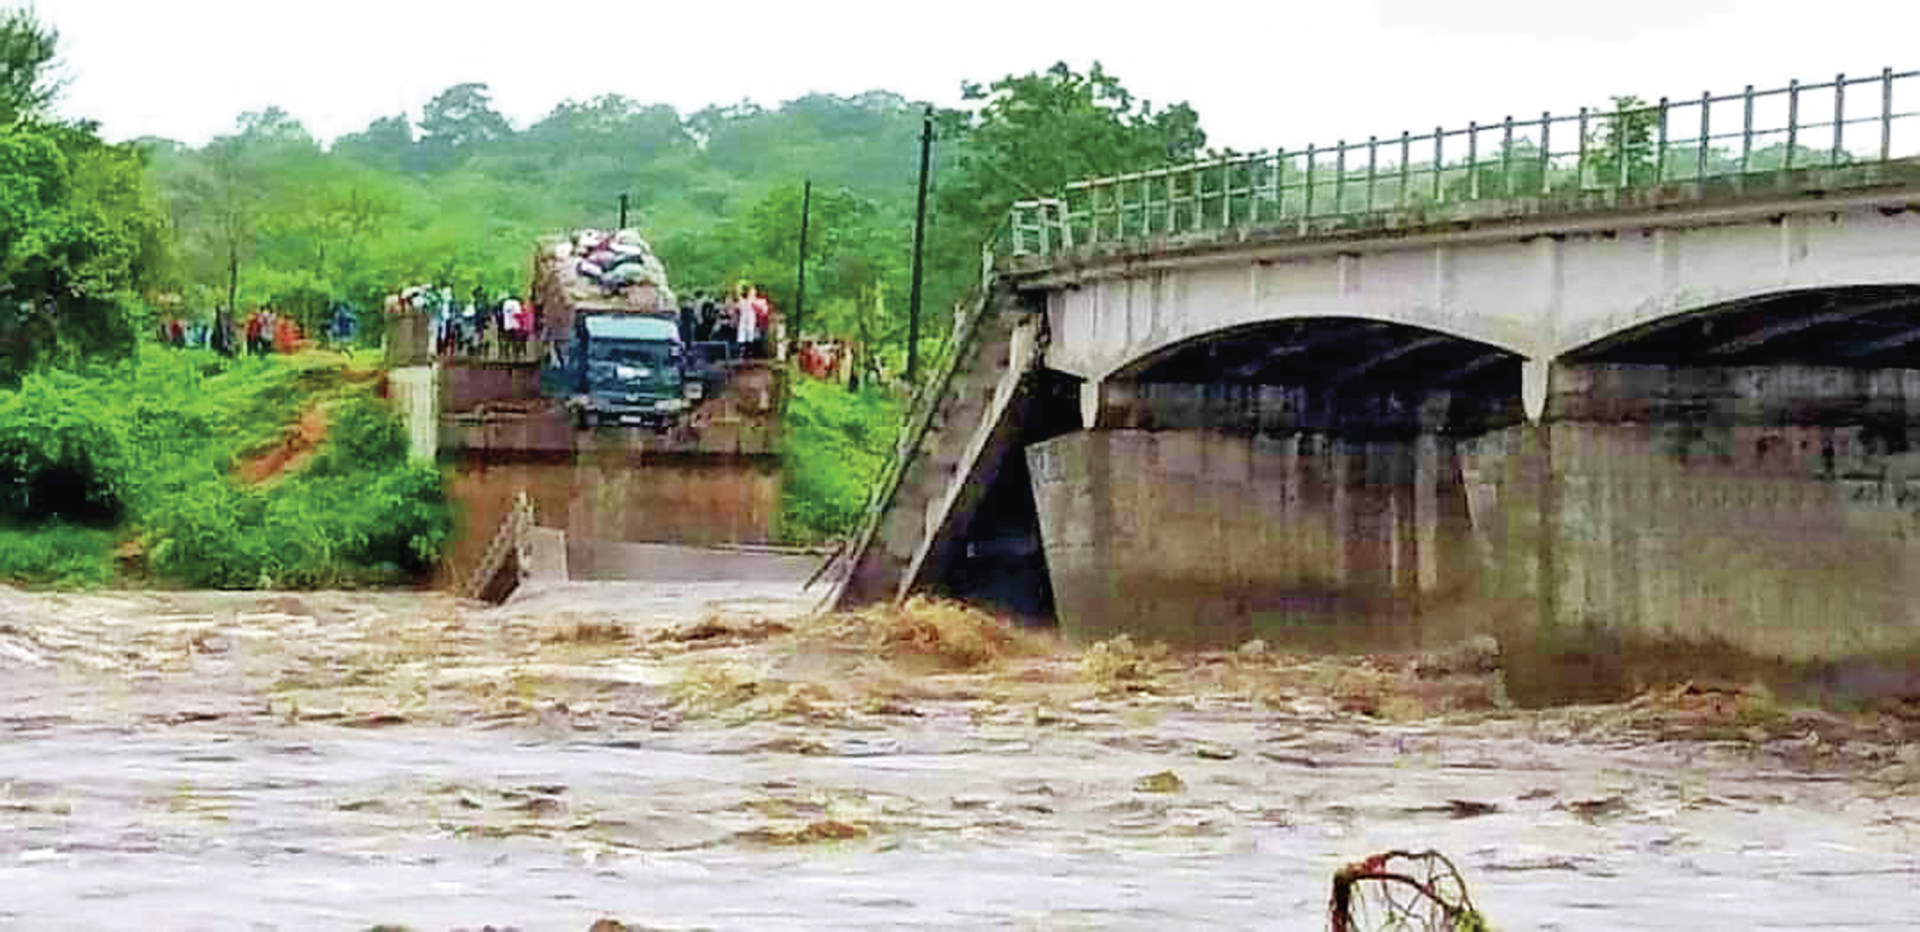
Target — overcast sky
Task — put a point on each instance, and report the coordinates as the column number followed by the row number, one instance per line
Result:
column 1261, row 73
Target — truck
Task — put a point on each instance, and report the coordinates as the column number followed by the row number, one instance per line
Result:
column 631, row 370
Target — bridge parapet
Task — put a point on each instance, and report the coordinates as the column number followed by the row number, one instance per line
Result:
column 1589, row 160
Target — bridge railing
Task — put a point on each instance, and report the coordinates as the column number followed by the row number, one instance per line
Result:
column 1841, row 122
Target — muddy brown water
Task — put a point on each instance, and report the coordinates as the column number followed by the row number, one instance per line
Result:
column 226, row 761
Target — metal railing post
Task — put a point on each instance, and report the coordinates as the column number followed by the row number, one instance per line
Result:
column 1306, row 212
column 1173, row 215
column 1093, row 214
column 1746, row 134
column 1439, row 152
column 1620, row 179
column 1660, row 151
column 1839, row 117
column 1280, row 186
column 1340, row 178
column 1886, row 114
column 1226, row 195
column 1546, row 153
column 1473, row 160
column 1506, row 157
column 1580, row 167
column 1196, row 204
column 1793, row 119
column 1706, row 137
column 1373, row 143
column 1406, row 154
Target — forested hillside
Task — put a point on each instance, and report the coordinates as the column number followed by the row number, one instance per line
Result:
column 457, row 194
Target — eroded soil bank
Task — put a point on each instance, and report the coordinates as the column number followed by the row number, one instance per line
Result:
column 704, row 755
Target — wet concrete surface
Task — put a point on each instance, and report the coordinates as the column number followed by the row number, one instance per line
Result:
column 338, row 760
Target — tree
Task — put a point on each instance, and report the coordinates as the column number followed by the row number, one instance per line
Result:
column 384, row 144
column 1028, row 136
column 28, row 51
column 457, row 124
column 1624, row 138
column 80, row 236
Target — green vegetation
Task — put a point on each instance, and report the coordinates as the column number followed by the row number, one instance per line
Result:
column 269, row 214
column 110, row 454
column 189, row 458
column 836, row 442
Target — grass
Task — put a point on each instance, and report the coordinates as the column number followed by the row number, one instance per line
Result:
column 835, row 443
column 141, row 457
column 58, row 555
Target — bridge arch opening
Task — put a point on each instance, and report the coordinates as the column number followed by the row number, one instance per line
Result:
column 1864, row 326
column 1334, row 374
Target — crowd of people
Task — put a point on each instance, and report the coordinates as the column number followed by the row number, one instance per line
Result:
column 501, row 327
column 260, row 333
column 745, row 321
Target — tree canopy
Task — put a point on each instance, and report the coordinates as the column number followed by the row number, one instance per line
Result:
column 81, row 233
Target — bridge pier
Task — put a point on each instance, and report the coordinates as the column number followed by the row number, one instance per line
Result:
column 1659, row 521
column 1204, row 514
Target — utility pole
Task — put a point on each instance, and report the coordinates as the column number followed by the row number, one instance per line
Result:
column 919, row 242
column 623, row 213
column 800, row 293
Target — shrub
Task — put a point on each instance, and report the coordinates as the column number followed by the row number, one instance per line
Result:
column 61, row 454
column 835, row 444
column 57, row 554
column 157, row 441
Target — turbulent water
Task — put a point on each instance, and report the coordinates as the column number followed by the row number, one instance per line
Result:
column 337, row 761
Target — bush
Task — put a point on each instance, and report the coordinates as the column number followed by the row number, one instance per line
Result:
column 61, row 455
column 153, row 444
column 57, row 554
column 835, row 443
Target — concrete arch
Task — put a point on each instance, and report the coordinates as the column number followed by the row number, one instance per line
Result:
column 1105, row 327
column 1354, row 344
column 1787, row 314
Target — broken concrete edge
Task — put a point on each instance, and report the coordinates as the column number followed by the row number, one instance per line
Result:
column 923, row 411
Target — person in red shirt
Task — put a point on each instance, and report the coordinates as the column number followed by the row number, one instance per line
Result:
column 762, row 316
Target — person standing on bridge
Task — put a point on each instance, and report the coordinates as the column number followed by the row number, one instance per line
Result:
column 762, row 325
column 744, row 320
column 709, row 317
column 688, row 333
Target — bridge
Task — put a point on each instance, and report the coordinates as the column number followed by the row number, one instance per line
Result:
column 1622, row 388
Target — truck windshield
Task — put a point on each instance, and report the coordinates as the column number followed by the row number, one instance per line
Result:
column 631, row 352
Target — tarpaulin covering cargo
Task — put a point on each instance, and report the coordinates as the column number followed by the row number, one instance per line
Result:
column 596, row 270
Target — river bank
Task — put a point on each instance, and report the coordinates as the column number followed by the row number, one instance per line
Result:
column 709, row 756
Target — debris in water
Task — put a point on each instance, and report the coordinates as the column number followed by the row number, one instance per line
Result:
column 1408, row 890
column 725, row 630
column 587, row 632
column 1166, row 781
column 1476, row 656
column 1591, row 809
column 1119, row 665
column 1458, row 808
column 806, row 834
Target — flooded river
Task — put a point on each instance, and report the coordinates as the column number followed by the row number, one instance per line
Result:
column 697, row 756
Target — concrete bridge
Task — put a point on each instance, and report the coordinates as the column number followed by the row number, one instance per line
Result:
column 1625, row 390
